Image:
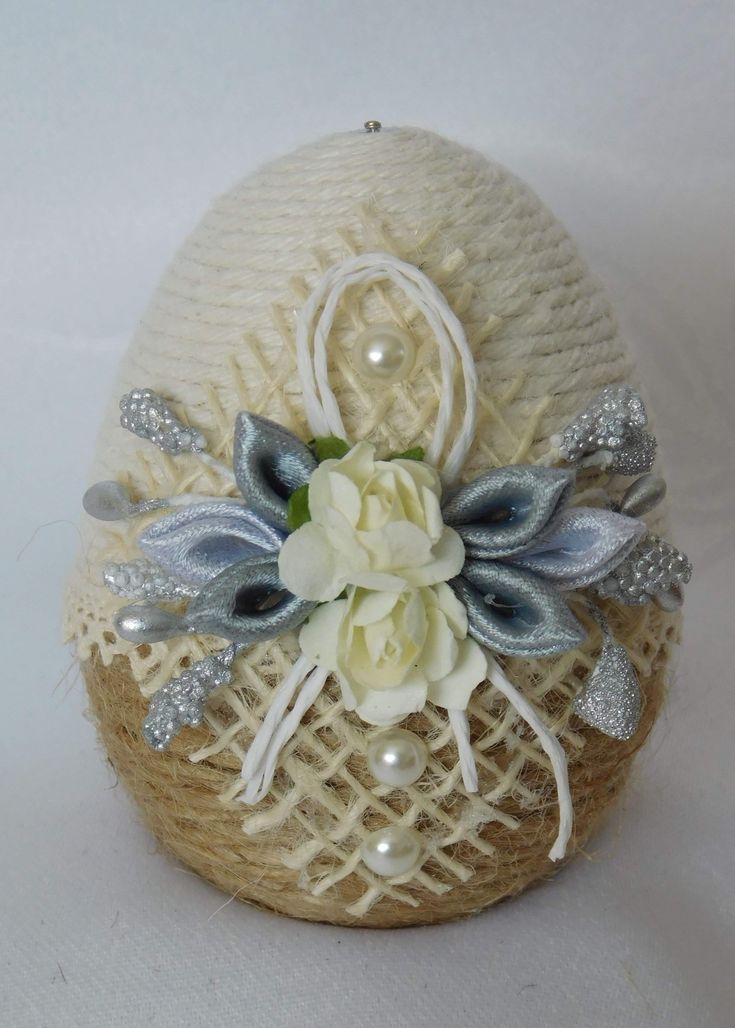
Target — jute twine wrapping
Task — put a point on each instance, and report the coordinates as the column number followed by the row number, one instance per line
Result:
column 218, row 338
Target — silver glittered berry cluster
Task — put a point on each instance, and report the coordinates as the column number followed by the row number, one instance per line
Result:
column 654, row 570
column 181, row 701
column 147, row 415
column 613, row 424
column 144, row 580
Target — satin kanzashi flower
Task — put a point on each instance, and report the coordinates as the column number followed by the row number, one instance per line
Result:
column 393, row 651
column 375, row 524
column 525, row 549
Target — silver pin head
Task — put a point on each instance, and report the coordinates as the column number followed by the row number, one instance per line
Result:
column 373, row 126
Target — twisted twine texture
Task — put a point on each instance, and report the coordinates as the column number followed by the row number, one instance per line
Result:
column 219, row 338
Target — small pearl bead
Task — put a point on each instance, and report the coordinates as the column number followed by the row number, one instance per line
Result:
column 385, row 352
column 397, row 757
column 391, row 851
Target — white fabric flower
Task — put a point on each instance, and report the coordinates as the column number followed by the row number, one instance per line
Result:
column 375, row 524
column 392, row 651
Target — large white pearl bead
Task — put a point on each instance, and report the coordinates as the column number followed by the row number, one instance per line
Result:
column 386, row 352
column 391, row 851
column 397, row 757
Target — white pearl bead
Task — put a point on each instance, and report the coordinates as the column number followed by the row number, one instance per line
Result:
column 386, row 352
column 397, row 757
column 391, row 851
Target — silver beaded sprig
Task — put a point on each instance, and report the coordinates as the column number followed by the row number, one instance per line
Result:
column 181, row 701
column 147, row 415
column 613, row 426
column 655, row 570
column 144, row 580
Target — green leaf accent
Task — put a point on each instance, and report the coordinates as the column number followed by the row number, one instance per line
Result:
column 329, row 447
column 297, row 511
column 415, row 453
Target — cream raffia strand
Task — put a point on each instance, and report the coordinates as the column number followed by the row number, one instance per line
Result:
column 553, row 750
column 507, row 268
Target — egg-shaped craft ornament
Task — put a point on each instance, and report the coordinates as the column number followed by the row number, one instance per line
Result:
column 376, row 600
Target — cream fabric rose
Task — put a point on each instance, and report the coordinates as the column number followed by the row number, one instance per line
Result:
column 391, row 652
column 376, row 524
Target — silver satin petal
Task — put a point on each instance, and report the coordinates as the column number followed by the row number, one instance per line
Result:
column 247, row 603
column 585, row 546
column 269, row 464
column 513, row 611
column 197, row 543
column 503, row 510
column 611, row 698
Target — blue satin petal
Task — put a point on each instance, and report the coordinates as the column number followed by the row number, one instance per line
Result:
column 198, row 542
column 584, row 547
column 247, row 603
column 503, row 510
column 269, row 464
column 513, row 611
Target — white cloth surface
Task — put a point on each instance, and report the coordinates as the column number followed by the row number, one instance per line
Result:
column 117, row 124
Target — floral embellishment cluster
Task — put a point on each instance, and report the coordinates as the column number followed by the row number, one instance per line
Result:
column 377, row 556
column 405, row 592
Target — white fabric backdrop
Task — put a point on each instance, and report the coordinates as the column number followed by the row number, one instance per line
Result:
column 118, row 123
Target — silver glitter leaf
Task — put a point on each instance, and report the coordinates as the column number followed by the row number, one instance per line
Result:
column 181, row 701
column 611, row 698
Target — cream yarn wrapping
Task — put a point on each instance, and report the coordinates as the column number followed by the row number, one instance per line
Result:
column 219, row 338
